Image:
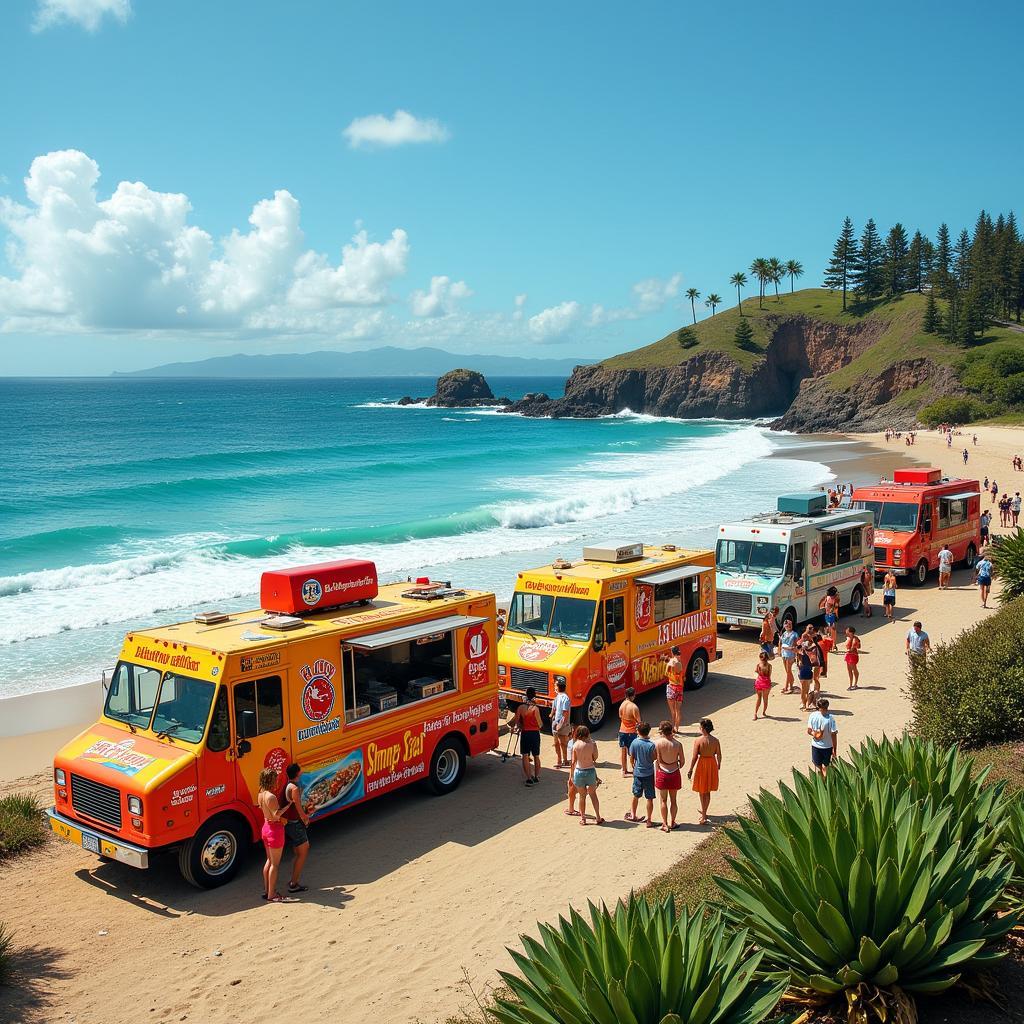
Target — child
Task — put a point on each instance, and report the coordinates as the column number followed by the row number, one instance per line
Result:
column 762, row 683
column 852, row 657
column 642, row 754
column 825, row 644
column 569, row 787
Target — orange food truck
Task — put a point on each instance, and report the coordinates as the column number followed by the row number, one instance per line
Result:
column 367, row 689
column 608, row 621
column 917, row 512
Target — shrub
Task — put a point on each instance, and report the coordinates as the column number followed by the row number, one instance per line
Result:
column 858, row 888
column 6, row 955
column 971, row 690
column 1008, row 565
column 1013, row 844
column 21, row 823
column 686, row 337
column 744, row 336
column 641, row 964
column 953, row 410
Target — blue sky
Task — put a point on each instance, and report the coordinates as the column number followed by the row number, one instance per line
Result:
column 562, row 174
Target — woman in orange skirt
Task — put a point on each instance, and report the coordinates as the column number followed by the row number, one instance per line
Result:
column 704, row 765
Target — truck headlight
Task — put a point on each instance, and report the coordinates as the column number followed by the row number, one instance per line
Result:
column 134, row 805
column 59, row 777
column 897, row 555
column 501, row 670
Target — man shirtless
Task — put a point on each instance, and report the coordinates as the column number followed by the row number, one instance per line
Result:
column 668, row 773
column 629, row 719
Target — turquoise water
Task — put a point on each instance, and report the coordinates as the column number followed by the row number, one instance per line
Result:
column 127, row 502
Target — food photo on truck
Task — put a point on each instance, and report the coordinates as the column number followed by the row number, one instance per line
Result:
column 367, row 687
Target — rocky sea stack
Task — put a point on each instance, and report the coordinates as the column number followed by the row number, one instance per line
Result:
column 459, row 389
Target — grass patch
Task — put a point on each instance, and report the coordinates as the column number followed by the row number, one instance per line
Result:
column 21, row 824
column 6, row 955
column 690, row 879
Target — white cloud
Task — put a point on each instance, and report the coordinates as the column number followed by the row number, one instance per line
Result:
column 442, row 299
column 520, row 303
column 398, row 130
column 87, row 13
column 133, row 261
column 652, row 293
column 554, row 321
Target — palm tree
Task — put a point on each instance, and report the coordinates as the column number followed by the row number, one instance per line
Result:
column 692, row 294
column 739, row 280
column 775, row 272
column 713, row 300
column 759, row 268
column 795, row 269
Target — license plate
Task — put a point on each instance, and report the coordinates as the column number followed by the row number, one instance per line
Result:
column 90, row 843
column 730, row 620
column 72, row 835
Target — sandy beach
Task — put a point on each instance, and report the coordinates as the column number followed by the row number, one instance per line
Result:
column 410, row 895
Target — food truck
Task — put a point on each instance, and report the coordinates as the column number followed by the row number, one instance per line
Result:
column 367, row 688
column 789, row 558
column 918, row 511
column 607, row 621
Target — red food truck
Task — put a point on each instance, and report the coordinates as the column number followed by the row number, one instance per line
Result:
column 917, row 512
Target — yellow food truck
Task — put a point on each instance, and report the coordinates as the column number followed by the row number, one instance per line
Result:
column 608, row 621
column 367, row 689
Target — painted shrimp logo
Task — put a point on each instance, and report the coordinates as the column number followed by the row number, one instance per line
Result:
column 815, row 553
column 705, row 589
column 312, row 592
column 318, row 695
column 869, row 536
column 643, row 607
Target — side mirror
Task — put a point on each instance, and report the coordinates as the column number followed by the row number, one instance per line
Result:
column 247, row 726
column 610, row 634
column 244, row 746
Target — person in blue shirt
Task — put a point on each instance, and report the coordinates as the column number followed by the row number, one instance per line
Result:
column 824, row 733
column 983, row 575
column 642, row 754
column 918, row 642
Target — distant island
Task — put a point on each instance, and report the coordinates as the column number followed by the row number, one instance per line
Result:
column 388, row 361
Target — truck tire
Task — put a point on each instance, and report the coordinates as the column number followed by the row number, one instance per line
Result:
column 856, row 600
column 447, row 766
column 971, row 556
column 696, row 671
column 594, row 710
column 920, row 574
column 213, row 855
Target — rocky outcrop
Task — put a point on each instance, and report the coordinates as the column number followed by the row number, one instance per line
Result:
column 787, row 383
column 459, row 389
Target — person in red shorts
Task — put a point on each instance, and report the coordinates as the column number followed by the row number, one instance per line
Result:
column 675, row 675
column 668, row 774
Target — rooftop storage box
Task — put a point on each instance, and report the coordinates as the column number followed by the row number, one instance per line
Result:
column 807, row 503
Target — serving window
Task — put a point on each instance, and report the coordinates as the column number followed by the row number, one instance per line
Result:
column 838, row 547
column 952, row 512
column 676, row 598
column 398, row 674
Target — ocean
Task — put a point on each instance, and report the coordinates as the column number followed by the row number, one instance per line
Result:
column 132, row 502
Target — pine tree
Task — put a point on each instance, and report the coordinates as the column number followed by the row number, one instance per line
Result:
column 897, row 252
column 869, row 277
column 942, row 264
column 932, row 322
column 918, row 262
column 840, row 270
column 687, row 337
column 962, row 261
column 744, row 335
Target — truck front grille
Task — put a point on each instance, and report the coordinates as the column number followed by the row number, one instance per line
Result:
column 881, row 556
column 521, row 678
column 732, row 603
column 96, row 800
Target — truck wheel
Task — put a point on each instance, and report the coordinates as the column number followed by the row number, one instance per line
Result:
column 594, row 710
column 213, row 855
column 856, row 600
column 920, row 574
column 696, row 671
column 722, row 628
column 447, row 766
column 972, row 556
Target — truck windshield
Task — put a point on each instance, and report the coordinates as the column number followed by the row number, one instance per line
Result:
column 751, row 556
column 892, row 515
column 177, row 706
column 571, row 618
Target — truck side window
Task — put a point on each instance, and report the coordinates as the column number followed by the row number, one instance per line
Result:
column 220, row 726
column 843, row 545
column 668, row 600
column 691, row 594
column 828, row 550
column 926, row 520
column 264, row 697
column 855, row 544
column 614, row 612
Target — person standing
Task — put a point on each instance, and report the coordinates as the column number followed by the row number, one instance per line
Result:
column 561, row 726
column 983, row 577
column 805, row 670
column 570, row 786
column 629, row 719
column 668, row 774
column 825, row 643
column 867, row 588
column 965, row 456
column 918, row 642
column 584, row 773
column 889, row 594
column 824, row 733
column 852, row 657
column 945, row 567
column 984, row 523
column 704, row 766
column 768, row 634
column 1015, row 508
column 642, row 755
column 830, row 606
column 527, row 723
column 675, row 674
column 787, row 648
column 994, row 491
column 272, row 833
column 296, row 821
column 762, row 683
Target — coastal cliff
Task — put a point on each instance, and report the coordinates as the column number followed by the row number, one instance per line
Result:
column 811, row 371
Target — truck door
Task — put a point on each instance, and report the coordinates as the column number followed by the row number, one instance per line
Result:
column 926, row 537
column 798, row 568
column 217, row 764
column 616, row 668
column 261, row 731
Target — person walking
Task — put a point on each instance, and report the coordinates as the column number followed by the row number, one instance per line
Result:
column 668, row 774
column 675, row 674
column 561, row 726
column 918, row 642
column 965, row 456
column 272, row 833
column 787, row 648
column 296, row 821
column 830, row 606
column 527, row 723
column 945, row 567
column 805, row 670
column 629, row 719
column 642, row 755
column 570, row 786
column 983, row 577
column 1015, row 508
column 889, row 595
column 762, row 683
column 867, row 588
column 852, row 657
column 824, row 733
column 994, row 491
column 584, row 773
column 983, row 524
column 704, row 766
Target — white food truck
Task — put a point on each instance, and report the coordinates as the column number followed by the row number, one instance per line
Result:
column 789, row 558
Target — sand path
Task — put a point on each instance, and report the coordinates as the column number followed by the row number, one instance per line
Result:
column 408, row 892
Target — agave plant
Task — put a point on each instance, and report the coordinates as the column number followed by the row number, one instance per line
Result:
column 638, row 964
column 878, row 881
column 1008, row 559
column 1013, row 845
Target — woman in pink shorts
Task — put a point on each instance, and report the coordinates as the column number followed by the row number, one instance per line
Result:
column 272, row 833
column 762, row 683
